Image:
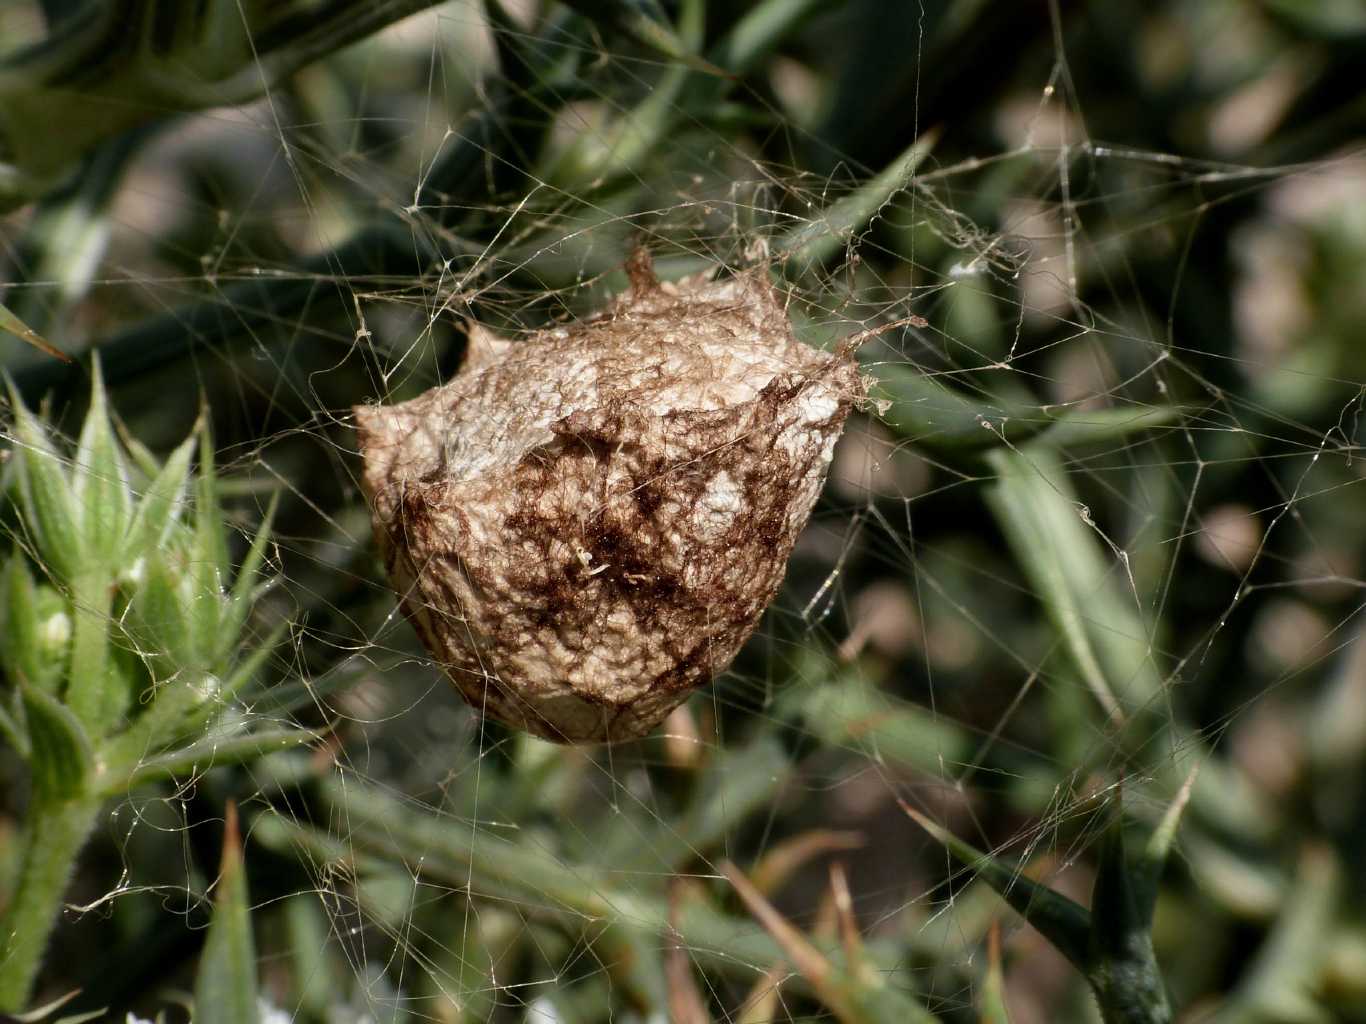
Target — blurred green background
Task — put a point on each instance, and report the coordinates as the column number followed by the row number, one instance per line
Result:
column 1106, row 526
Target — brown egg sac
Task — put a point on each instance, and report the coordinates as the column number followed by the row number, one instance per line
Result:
column 585, row 525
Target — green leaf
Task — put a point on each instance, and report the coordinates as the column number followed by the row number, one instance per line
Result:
column 91, row 604
column 317, row 979
column 245, row 671
column 1124, row 969
column 852, row 712
column 628, row 19
column 1067, row 925
column 830, row 229
column 125, row 677
column 160, row 618
column 100, row 479
column 1083, row 580
column 162, row 502
column 207, row 566
column 12, row 732
column 1148, row 871
column 11, row 324
column 245, row 586
column 146, row 463
column 1281, row 983
column 762, row 29
column 1052, row 535
column 210, row 752
column 180, row 708
column 1111, row 944
column 1077, row 427
column 19, row 654
column 925, row 410
column 735, row 783
column 225, row 984
column 45, row 498
column 60, row 756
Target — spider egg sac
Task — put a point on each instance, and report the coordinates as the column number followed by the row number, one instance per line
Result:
column 586, row 525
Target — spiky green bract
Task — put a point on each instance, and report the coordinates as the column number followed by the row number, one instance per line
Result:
column 225, row 985
column 126, row 644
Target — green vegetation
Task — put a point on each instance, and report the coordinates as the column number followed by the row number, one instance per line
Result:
column 1062, row 712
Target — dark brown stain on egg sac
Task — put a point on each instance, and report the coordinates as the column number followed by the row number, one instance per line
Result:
column 586, row 525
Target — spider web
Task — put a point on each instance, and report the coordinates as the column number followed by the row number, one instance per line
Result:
column 1195, row 531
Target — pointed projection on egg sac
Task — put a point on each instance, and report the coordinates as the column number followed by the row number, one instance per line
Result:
column 585, row 525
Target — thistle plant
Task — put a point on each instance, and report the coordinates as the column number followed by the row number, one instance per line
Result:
column 126, row 643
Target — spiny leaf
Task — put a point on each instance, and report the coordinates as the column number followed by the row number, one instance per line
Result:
column 211, row 538
column 225, row 985
column 1077, row 427
column 784, row 858
column 762, row 28
column 210, row 752
column 810, row 961
column 12, row 733
column 11, row 324
column 1148, row 870
column 1124, row 967
column 856, row 960
column 245, row 671
column 161, row 502
column 44, row 494
column 828, row 230
column 160, row 615
column 60, row 756
column 632, row 22
column 19, row 622
column 246, row 585
column 207, row 564
column 1067, row 925
column 100, row 478
column 144, row 461
column 925, row 410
